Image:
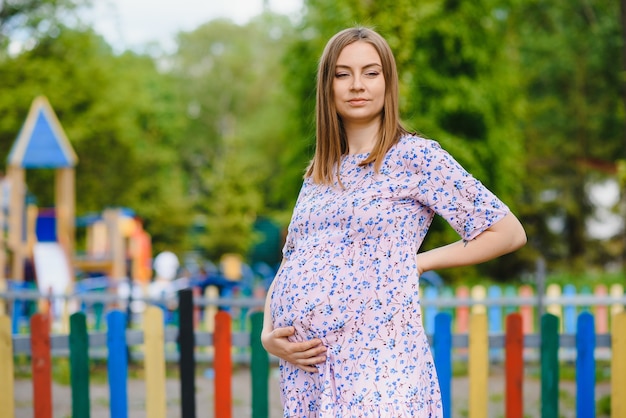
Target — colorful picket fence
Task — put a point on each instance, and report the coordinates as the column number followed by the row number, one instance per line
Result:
column 478, row 342
column 566, row 303
column 531, row 302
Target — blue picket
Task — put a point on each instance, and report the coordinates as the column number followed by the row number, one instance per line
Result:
column 442, row 347
column 569, row 311
column 17, row 316
column 495, row 317
column 447, row 293
column 117, row 363
column 585, row 366
column 18, row 307
column 430, row 293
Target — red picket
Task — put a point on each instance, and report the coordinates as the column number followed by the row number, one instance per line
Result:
column 223, row 365
column 514, row 365
column 527, row 311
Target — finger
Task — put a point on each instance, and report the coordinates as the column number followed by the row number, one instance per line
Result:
column 314, row 352
column 284, row 332
column 312, row 347
column 310, row 361
column 310, row 369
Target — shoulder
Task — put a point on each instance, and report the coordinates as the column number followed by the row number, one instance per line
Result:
column 414, row 149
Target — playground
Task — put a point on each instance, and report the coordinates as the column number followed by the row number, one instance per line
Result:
column 135, row 338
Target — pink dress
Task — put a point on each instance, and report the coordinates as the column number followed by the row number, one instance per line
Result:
column 350, row 278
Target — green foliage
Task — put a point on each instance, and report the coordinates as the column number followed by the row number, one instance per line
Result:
column 236, row 201
column 603, row 406
column 235, row 137
column 580, row 280
column 61, row 371
column 117, row 112
column 572, row 119
column 219, row 133
column 32, row 18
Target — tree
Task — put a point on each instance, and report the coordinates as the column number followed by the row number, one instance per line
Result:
column 30, row 19
column 573, row 118
column 121, row 117
column 230, row 80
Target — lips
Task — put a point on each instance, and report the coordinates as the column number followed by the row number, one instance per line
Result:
column 357, row 102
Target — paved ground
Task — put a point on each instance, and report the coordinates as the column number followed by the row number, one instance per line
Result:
column 241, row 390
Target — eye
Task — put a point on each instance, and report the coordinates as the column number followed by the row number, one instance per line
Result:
column 341, row 75
column 372, row 74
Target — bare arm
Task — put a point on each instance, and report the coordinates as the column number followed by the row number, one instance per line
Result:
column 503, row 237
column 304, row 355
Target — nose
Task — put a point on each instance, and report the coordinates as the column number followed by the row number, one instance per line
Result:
column 356, row 83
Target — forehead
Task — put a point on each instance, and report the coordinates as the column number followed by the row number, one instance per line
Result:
column 358, row 53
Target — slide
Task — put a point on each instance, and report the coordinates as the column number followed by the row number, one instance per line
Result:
column 54, row 273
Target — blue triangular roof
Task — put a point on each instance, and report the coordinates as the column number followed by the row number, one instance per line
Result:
column 42, row 143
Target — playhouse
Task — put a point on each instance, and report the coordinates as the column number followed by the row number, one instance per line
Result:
column 44, row 238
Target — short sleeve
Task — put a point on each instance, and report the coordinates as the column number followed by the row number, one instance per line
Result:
column 289, row 247
column 290, row 240
column 449, row 190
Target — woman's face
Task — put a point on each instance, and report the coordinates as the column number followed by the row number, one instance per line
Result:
column 359, row 84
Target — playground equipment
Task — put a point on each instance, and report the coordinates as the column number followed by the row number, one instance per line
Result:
column 117, row 246
column 41, row 143
column 45, row 238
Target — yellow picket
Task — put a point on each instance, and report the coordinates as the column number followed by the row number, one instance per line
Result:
column 478, row 367
column 6, row 368
column 479, row 294
column 618, row 366
column 154, row 362
column 66, row 310
column 556, row 309
column 211, row 292
column 617, row 291
column 3, row 288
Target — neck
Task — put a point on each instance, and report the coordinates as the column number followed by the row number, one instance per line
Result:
column 362, row 138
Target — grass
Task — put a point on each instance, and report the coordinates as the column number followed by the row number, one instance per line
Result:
column 98, row 372
column 567, row 371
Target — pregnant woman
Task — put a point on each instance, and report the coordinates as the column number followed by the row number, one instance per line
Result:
column 343, row 312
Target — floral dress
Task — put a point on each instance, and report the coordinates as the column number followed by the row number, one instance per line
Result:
column 350, row 278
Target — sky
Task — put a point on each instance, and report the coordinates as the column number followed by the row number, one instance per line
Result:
column 131, row 24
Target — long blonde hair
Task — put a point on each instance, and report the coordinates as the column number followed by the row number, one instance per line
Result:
column 331, row 142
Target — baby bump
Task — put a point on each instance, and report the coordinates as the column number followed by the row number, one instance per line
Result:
column 330, row 299
column 317, row 301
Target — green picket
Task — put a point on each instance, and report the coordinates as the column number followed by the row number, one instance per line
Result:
column 549, row 366
column 79, row 365
column 260, row 367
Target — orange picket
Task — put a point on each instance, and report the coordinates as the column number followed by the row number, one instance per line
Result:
column 462, row 312
column 602, row 311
